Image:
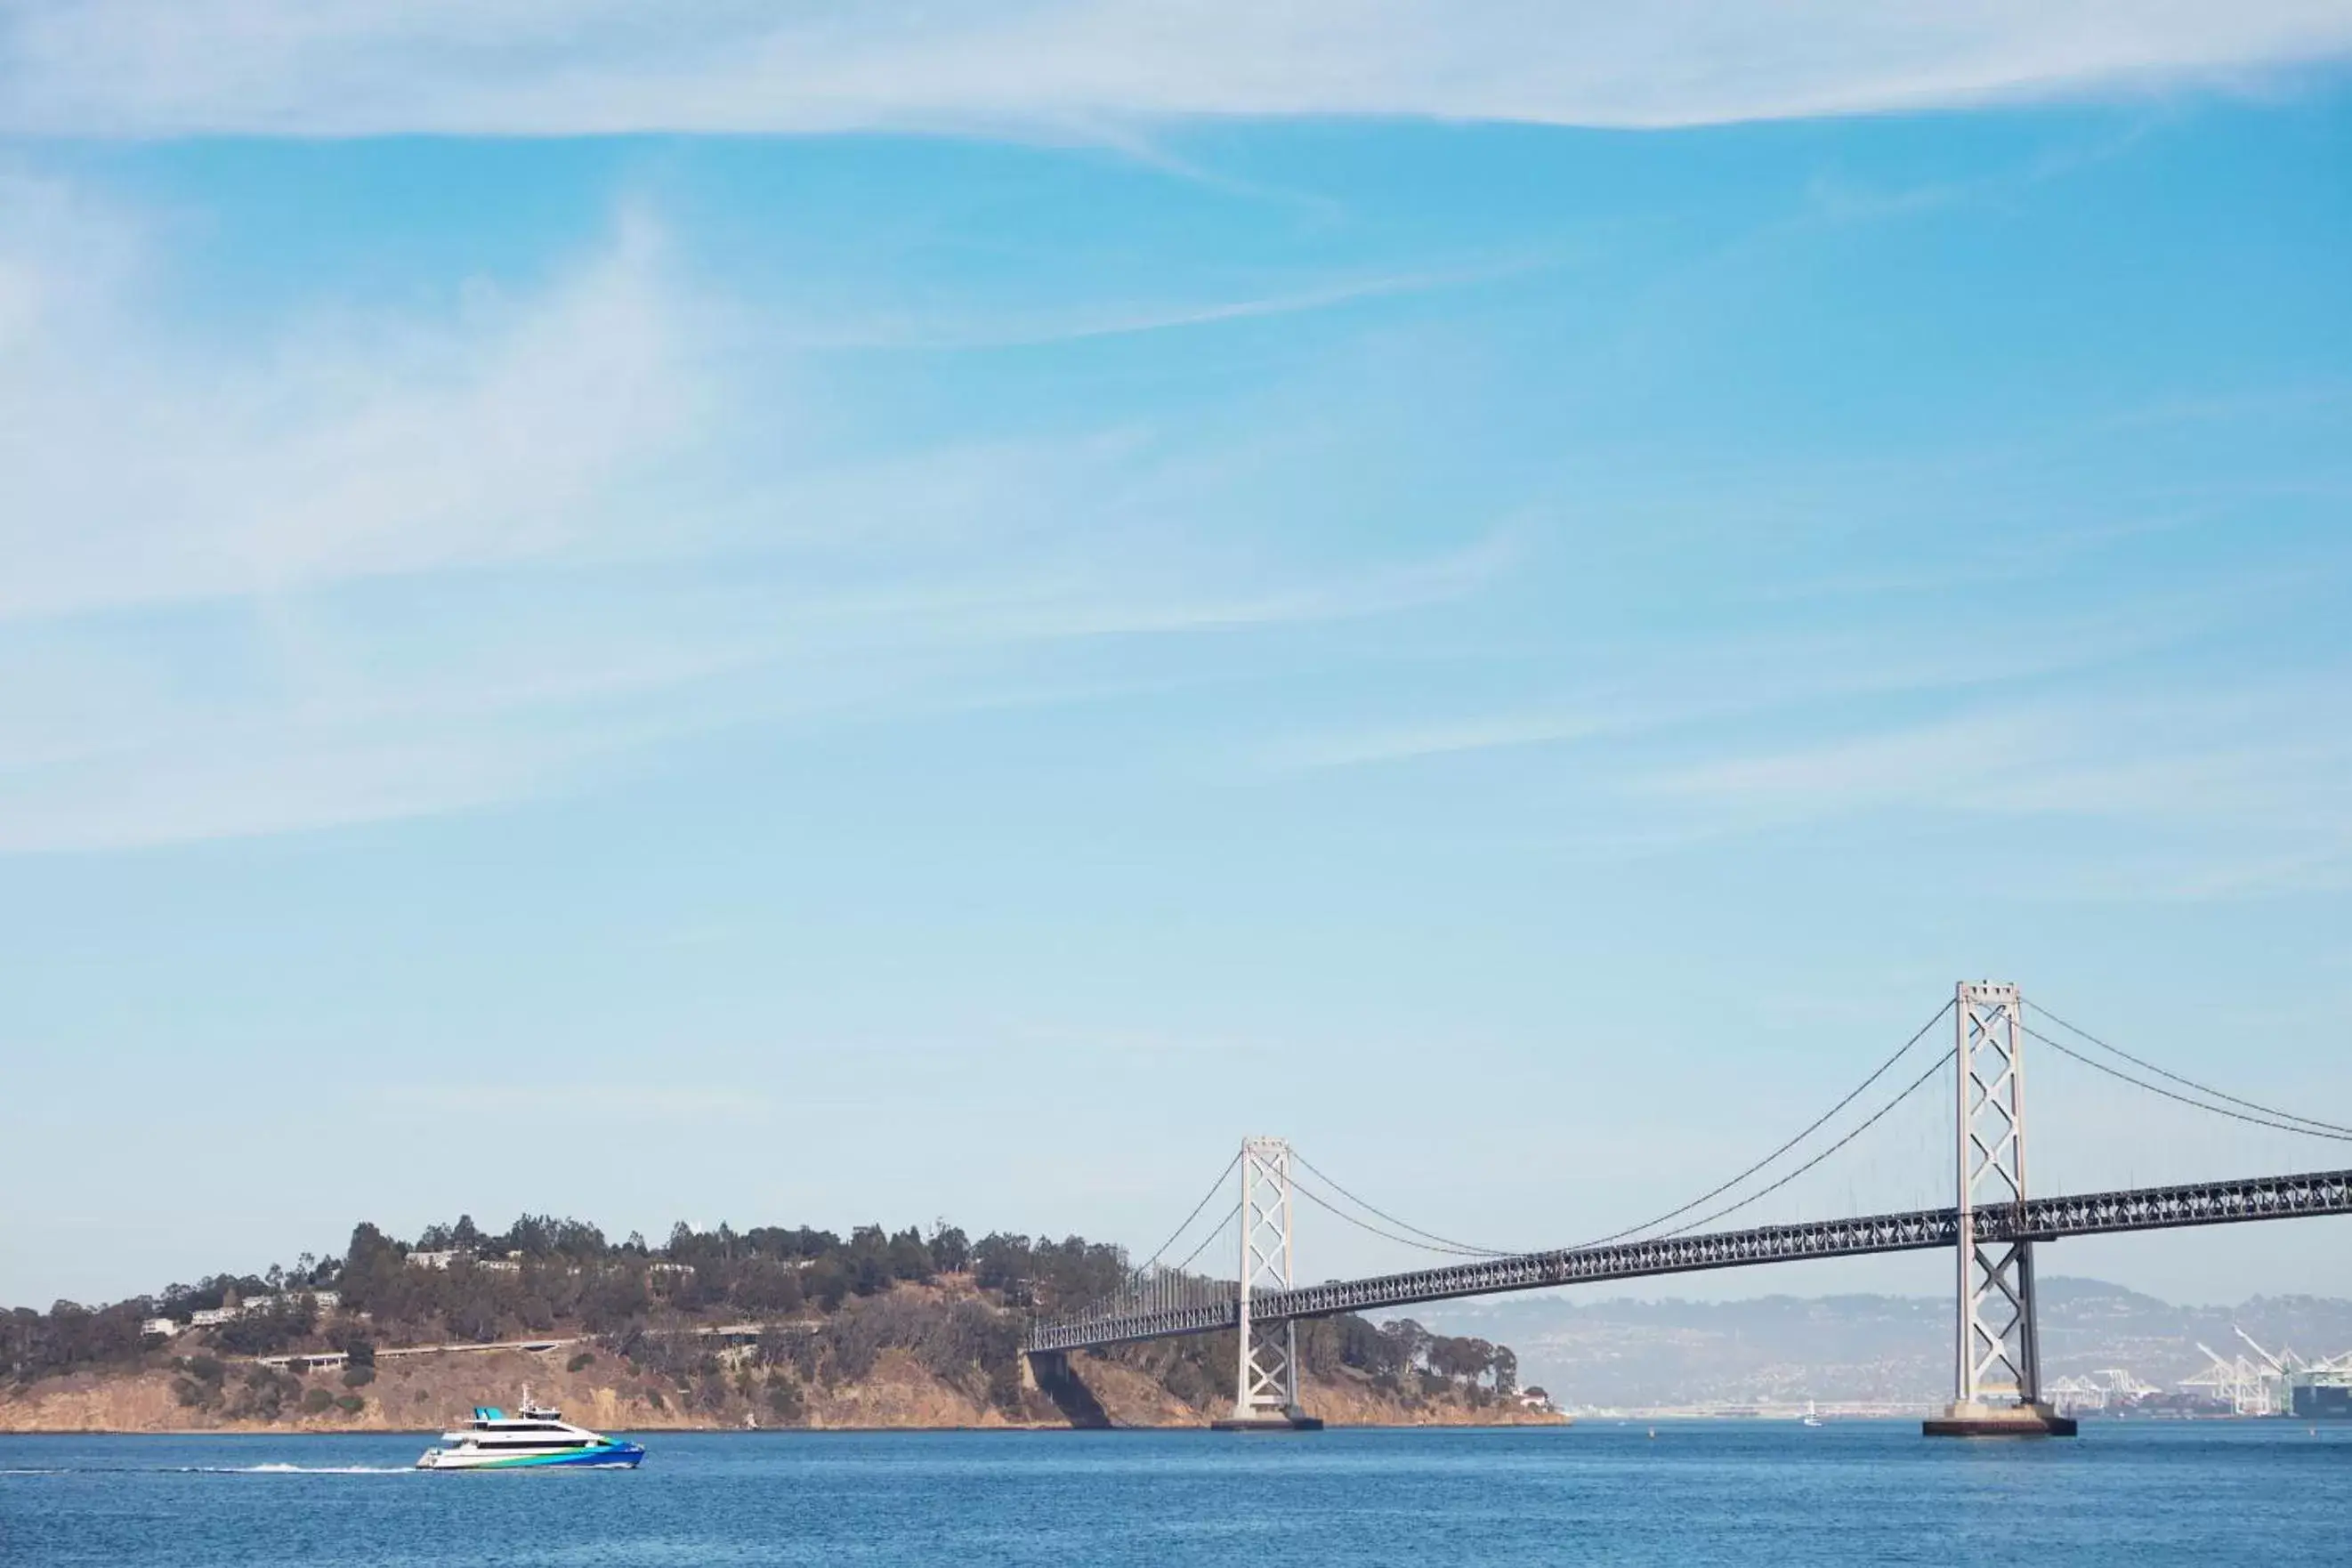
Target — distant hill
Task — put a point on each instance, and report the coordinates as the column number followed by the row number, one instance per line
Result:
column 1896, row 1349
column 720, row 1328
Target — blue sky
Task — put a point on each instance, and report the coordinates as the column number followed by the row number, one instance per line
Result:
column 844, row 624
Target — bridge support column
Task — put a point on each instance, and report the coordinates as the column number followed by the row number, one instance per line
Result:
column 1049, row 1373
column 1265, row 1383
column 1997, row 1365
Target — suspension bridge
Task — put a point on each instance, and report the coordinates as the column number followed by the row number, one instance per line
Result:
column 1992, row 1228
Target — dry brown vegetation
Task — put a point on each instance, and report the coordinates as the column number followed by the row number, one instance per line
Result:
column 932, row 1356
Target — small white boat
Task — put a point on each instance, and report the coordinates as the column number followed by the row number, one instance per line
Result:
column 532, row 1439
column 1812, row 1417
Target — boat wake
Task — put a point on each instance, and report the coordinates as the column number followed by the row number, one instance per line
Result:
column 298, row 1469
column 208, row 1470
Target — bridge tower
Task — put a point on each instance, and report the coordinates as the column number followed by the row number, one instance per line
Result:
column 1265, row 1382
column 1997, row 1367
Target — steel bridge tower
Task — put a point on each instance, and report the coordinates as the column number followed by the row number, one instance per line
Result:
column 1265, row 1379
column 1997, row 1365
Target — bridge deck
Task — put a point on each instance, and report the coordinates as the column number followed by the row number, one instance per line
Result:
column 2038, row 1219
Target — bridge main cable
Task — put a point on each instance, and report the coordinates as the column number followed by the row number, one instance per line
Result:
column 1873, row 1119
column 2268, row 1115
column 1814, row 1126
column 1431, row 1241
column 1178, row 1235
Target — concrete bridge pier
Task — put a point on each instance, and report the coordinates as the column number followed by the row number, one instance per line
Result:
column 1049, row 1373
column 1269, row 1383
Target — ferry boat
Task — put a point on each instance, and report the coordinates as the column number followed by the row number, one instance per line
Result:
column 534, row 1437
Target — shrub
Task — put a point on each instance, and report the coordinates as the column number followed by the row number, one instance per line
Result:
column 264, row 1393
column 584, row 1358
column 358, row 1376
column 317, row 1401
column 351, row 1404
column 784, row 1401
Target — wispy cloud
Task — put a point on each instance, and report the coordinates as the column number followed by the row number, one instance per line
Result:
column 2267, row 757
column 1079, row 324
column 2222, row 791
column 1077, row 68
column 137, row 466
column 1952, row 763
column 1495, row 732
column 1731, row 675
column 366, row 566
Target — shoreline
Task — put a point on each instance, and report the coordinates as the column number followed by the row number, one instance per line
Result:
column 1560, row 1423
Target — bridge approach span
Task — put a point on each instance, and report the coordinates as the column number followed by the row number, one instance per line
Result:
column 2035, row 1219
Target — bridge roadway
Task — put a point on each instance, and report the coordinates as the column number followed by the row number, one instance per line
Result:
column 2037, row 1219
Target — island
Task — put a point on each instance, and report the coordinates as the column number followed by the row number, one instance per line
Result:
column 768, row 1327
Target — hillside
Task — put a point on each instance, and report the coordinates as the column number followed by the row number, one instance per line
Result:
column 899, row 1391
column 774, row 1327
column 894, row 1360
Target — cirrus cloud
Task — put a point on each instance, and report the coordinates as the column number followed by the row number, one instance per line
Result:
column 331, row 68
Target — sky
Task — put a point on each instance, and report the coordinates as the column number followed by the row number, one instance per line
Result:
column 832, row 616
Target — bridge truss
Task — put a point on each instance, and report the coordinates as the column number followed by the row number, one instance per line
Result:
column 2037, row 1219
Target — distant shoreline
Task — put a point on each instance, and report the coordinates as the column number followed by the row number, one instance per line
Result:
column 428, row 1433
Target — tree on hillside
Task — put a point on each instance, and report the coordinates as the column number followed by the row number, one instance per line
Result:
column 768, row 1288
column 1074, row 1271
column 544, row 1236
column 910, row 1258
column 373, row 1272
column 614, row 1298
column 826, row 1282
column 869, row 1261
column 1001, row 1262
column 950, row 1248
column 287, row 1319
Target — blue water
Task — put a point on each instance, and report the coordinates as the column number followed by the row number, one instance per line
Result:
column 2266, row 1493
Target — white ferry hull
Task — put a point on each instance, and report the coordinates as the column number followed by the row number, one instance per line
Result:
column 531, row 1439
column 605, row 1456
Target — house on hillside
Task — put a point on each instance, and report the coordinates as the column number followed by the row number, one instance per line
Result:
column 449, row 1258
column 213, row 1317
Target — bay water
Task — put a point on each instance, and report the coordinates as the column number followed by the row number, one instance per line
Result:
column 1695, row 1492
